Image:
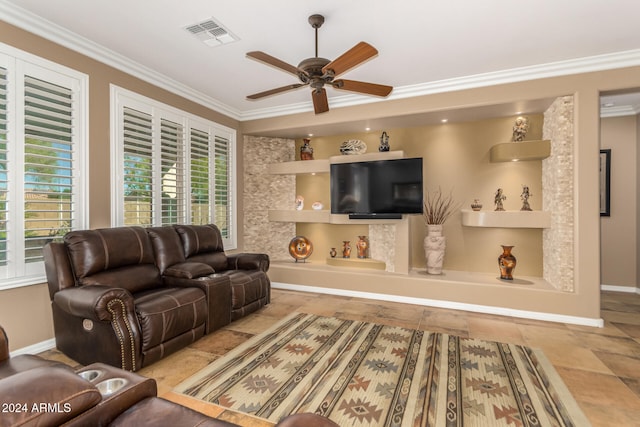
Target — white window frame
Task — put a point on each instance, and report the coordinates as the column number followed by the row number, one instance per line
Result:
column 121, row 98
column 18, row 63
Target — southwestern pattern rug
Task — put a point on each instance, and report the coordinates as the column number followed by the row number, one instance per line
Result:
column 366, row 374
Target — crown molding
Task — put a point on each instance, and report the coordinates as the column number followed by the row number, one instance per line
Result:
column 30, row 22
column 33, row 23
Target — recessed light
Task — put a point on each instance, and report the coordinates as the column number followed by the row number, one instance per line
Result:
column 310, row 134
column 444, row 120
column 367, row 129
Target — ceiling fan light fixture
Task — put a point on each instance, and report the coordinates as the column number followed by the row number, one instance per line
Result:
column 316, row 72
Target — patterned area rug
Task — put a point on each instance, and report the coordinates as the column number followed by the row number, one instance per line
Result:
column 366, row 374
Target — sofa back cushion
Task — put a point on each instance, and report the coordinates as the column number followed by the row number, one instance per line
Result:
column 167, row 247
column 203, row 243
column 120, row 257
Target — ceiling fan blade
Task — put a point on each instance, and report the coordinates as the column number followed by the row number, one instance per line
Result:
column 320, row 101
column 273, row 61
column 275, row 91
column 354, row 56
column 362, row 87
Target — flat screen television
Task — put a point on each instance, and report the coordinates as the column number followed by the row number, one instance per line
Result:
column 384, row 189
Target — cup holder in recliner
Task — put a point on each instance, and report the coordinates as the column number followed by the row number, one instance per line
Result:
column 90, row 374
column 110, row 386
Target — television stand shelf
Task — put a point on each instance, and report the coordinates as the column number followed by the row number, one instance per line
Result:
column 322, row 217
column 357, row 263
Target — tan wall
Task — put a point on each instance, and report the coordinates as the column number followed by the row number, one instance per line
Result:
column 619, row 231
column 455, row 158
column 25, row 312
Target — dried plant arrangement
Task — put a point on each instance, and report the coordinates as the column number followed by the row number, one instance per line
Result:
column 438, row 207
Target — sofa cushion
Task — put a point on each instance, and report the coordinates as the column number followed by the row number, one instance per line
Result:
column 94, row 251
column 135, row 278
column 198, row 239
column 189, row 270
column 167, row 246
column 165, row 313
column 46, row 396
column 247, row 286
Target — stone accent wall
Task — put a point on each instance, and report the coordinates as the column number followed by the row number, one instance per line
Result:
column 382, row 239
column 558, row 195
column 263, row 191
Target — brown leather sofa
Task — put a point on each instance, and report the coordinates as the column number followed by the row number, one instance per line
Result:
column 43, row 393
column 129, row 296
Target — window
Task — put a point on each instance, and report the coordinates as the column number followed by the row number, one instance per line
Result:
column 42, row 139
column 172, row 167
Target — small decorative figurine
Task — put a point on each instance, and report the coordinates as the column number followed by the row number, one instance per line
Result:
column 520, row 129
column 299, row 203
column 384, row 142
column 346, row 249
column 353, row 146
column 498, row 199
column 317, row 206
column 306, row 152
column 525, row 198
column 476, row 205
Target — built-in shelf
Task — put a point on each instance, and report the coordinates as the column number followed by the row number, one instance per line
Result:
column 520, row 151
column 367, row 157
column 506, row 219
column 357, row 263
column 299, row 167
column 322, row 216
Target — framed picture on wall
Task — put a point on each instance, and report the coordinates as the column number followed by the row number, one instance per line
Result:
column 605, row 182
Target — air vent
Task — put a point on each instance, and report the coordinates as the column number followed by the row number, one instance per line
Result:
column 211, row 33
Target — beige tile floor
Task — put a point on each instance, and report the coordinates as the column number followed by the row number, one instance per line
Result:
column 600, row 366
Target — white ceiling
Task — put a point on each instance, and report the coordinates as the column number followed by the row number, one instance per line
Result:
column 424, row 46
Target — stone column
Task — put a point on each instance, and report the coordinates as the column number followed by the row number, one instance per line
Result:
column 263, row 191
column 558, row 195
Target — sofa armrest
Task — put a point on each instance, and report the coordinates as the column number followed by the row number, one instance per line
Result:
column 248, row 261
column 45, row 396
column 189, row 270
column 4, row 345
column 94, row 302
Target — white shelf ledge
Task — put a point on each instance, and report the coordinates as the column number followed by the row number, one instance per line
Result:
column 506, row 219
column 520, row 151
column 299, row 167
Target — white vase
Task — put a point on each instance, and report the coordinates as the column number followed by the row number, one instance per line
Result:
column 434, row 245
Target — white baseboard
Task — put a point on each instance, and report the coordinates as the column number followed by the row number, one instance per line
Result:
column 36, row 348
column 627, row 289
column 502, row 311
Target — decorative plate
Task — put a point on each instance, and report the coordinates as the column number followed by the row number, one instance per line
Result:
column 353, row 146
column 300, row 248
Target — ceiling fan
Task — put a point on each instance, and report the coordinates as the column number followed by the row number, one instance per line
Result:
column 317, row 72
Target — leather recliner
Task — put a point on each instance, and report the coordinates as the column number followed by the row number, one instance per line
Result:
column 38, row 392
column 129, row 296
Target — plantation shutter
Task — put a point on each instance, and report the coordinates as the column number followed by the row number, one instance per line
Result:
column 222, row 186
column 4, row 179
column 138, row 167
column 172, row 172
column 48, row 164
column 200, row 170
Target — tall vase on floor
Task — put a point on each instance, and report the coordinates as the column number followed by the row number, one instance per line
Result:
column 438, row 208
column 434, row 246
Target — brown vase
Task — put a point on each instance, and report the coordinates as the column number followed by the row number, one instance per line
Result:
column 346, row 249
column 506, row 263
column 363, row 246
